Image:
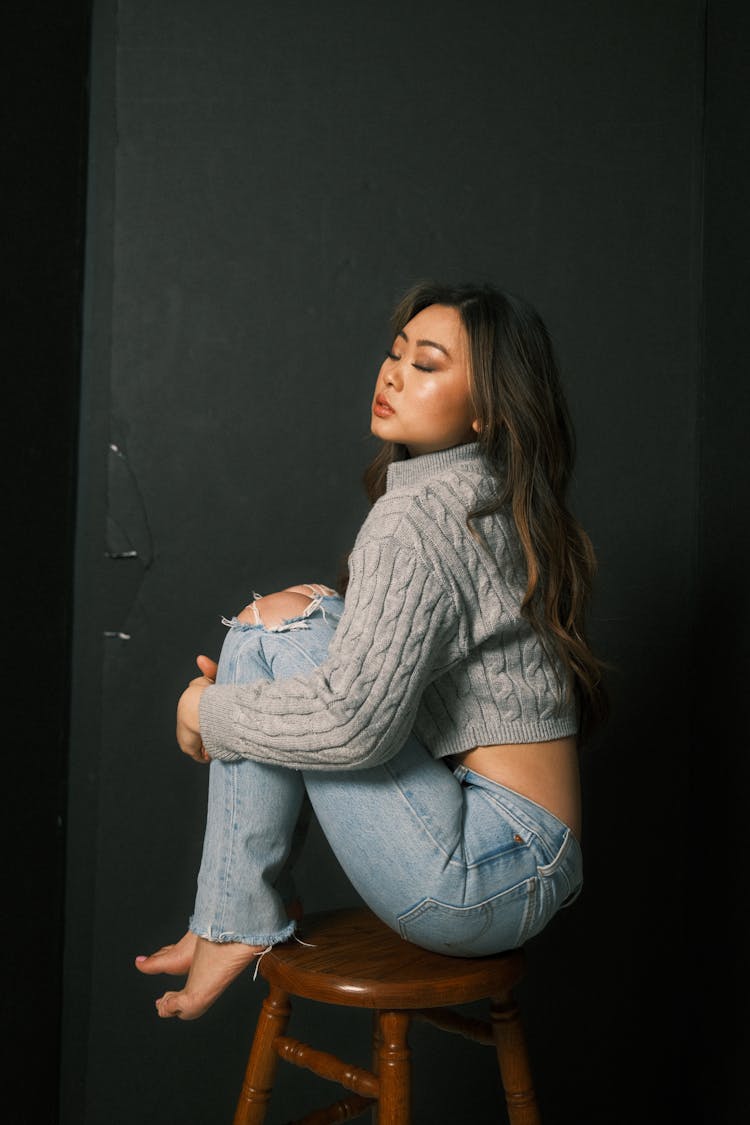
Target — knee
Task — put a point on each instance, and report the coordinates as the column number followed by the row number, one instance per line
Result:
column 273, row 609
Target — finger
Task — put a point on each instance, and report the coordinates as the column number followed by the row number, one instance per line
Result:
column 207, row 666
column 197, row 755
column 190, row 743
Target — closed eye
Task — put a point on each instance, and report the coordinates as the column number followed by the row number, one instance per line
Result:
column 418, row 366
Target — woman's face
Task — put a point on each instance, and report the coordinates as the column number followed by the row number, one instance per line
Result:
column 422, row 397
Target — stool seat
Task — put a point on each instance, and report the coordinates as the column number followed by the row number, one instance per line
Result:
column 349, row 958
column 353, row 959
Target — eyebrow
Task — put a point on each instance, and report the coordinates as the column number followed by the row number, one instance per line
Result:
column 427, row 344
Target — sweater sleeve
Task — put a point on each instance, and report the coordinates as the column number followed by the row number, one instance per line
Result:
column 397, row 633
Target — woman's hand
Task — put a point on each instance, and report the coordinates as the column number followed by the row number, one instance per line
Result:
column 188, row 719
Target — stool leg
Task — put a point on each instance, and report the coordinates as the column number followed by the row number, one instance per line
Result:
column 377, row 1042
column 394, row 1069
column 261, row 1066
column 513, row 1058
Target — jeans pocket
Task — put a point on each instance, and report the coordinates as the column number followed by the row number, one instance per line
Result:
column 487, row 927
column 559, row 883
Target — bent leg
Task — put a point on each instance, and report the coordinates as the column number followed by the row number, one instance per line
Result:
column 253, row 810
column 396, row 829
column 451, row 861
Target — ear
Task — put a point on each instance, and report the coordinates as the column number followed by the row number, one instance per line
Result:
column 476, row 426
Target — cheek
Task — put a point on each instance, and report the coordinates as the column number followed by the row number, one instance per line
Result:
column 431, row 397
column 439, row 401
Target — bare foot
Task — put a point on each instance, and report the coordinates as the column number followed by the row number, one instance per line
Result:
column 175, row 959
column 214, row 966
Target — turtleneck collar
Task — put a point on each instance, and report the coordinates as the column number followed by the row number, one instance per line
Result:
column 415, row 469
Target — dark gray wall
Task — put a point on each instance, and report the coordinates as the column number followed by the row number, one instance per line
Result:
column 264, row 180
column 43, row 68
column 721, row 763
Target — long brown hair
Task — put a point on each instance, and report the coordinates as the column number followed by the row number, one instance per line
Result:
column 527, row 439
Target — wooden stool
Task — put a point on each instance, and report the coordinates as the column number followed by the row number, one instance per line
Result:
column 354, row 960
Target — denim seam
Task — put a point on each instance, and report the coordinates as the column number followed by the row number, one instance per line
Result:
column 533, row 832
column 513, row 799
column 300, row 649
column 231, row 813
column 424, row 903
column 424, row 828
column 462, row 864
column 529, row 884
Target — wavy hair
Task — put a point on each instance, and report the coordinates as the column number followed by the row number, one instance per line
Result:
column 527, row 439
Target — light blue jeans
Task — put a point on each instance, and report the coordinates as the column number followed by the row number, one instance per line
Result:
column 452, row 861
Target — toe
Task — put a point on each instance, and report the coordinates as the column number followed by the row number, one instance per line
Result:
column 168, row 1005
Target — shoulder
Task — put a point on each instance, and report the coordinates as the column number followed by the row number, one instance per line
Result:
column 407, row 507
column 448, row 498
column 430, row 517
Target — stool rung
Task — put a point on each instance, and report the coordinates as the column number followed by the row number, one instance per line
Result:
column 345, row 1110
column 478, row 1030
column 327, row 1066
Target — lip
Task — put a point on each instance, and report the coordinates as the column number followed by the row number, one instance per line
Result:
column 382, row 407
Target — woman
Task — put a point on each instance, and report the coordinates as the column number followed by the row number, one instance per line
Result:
column 432, row 716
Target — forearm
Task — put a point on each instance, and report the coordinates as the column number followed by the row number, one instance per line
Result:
column 235, row 724
column 357, row 709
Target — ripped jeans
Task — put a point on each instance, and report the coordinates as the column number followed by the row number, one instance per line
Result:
column 449, row 859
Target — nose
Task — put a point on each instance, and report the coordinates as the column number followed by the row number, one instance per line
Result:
column 393, row 376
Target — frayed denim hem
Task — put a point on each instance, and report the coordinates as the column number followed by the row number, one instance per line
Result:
column 212, row 933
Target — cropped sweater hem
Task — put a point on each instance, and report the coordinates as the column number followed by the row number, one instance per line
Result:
column 501, row 734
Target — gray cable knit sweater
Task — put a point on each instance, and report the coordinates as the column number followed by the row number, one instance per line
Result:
column 431, row 639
